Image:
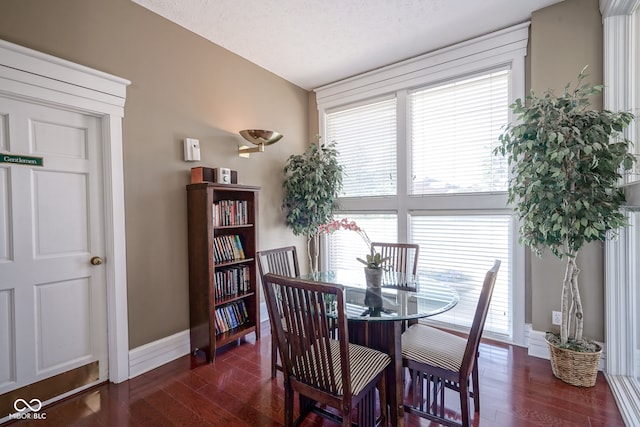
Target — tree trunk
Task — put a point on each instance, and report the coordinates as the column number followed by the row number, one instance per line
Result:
column 566, row 301
column 571, row 303
column 313, row 251
column 309, row 252
column 577, row 301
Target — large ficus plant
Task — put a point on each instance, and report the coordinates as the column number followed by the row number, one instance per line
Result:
column 566, row 161
column 312, row 181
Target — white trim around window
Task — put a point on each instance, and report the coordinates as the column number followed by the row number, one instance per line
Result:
column 621, row 25
column 505, row 49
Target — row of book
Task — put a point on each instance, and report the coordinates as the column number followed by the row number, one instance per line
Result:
column 227, row 248
column 230, row 212
column 231, row 282
column 231, row 316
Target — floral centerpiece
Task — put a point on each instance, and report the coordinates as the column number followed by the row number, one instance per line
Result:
column 373, row 260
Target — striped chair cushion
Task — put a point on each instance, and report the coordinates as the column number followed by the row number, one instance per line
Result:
column 433, row 347
column 365, row 363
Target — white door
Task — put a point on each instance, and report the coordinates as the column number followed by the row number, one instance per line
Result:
column 52, row 299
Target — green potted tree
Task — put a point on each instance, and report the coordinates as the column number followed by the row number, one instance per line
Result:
column 566, row 161
column 312, row 181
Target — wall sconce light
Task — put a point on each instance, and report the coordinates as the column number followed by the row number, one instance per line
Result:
column 257, row 137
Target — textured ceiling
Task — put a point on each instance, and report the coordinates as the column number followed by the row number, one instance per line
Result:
column 314, row 42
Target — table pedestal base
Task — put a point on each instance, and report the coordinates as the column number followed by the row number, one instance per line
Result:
column 385, row 337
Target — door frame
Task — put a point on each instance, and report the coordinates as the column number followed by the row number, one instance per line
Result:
column 33, row 76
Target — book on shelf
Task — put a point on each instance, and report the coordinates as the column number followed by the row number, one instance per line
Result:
column 238, row 244
column 231, row 282
column 228, row 248
column 231, row 316
column 230, row 213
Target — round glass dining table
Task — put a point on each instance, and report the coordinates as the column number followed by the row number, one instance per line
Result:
column 377, row 316
column 401, row 297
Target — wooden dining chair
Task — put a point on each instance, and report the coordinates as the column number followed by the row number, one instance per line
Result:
column 438, row 360
column 282, row 261
column 323, row 371
column 401, row 257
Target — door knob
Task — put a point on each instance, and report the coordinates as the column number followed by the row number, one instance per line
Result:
column 96, row 260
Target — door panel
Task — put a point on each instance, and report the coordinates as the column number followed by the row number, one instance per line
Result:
column 61, row 213
column 7, row 344
column 63, row 324
column 46, row 137
column 52, row 300
column 5, row 242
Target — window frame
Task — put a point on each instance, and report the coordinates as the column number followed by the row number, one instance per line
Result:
column 621, row 28
column 504, row 48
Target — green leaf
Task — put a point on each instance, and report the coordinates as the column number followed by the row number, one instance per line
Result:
column 565, row 171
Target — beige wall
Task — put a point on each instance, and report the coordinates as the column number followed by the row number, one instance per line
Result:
column 182, row 86
column 564, row 38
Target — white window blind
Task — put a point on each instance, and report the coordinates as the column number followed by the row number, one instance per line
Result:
column 634, row 274
column 365, row 137
column 454, row 128
column 345, row 245
column 459, row 250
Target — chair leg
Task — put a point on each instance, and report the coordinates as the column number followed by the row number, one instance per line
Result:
column 288, row 405
column 274, row 356
column 382, row 391
column 476, row 387
column 346, row 418
column 464, row 403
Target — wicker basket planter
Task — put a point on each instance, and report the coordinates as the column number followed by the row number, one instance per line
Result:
column 573, row 367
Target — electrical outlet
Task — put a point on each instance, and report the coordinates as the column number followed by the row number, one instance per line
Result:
column 556, row 318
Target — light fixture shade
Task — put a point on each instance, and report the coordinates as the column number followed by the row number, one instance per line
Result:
column 260, row 136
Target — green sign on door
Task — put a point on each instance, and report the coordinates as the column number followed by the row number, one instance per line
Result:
column 21, row 160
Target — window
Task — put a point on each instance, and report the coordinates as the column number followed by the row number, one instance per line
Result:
column 454, row 129
column 345, row 246
column 634, row 279
column 621, row 20
column 458, row 250
column 367, row 139
column 416, row 140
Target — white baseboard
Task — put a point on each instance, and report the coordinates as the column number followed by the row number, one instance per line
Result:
column 264, row 315
column 157, row 353
column 538, row 348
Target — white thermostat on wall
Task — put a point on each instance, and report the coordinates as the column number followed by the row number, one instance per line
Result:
column 191, row 150
column 223, row 175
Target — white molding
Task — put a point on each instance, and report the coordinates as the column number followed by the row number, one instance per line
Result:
column 538, row 348
column 500, row 47
column 619, row 327
column 620, row 67
column 610, row 8
column 625, row 391
column 621, row 23
column 157, row 353
column 62, row 71
column 537, row 345
column 264, row 314
column 40, row 78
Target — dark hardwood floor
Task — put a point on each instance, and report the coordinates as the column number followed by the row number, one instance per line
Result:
column 236, row 390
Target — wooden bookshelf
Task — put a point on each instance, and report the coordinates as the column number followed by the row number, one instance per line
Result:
column 224, row 298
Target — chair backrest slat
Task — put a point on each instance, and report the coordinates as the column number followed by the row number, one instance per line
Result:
column 311, row 357
column 403, row 257
column 479, row 318
column 282, row 261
